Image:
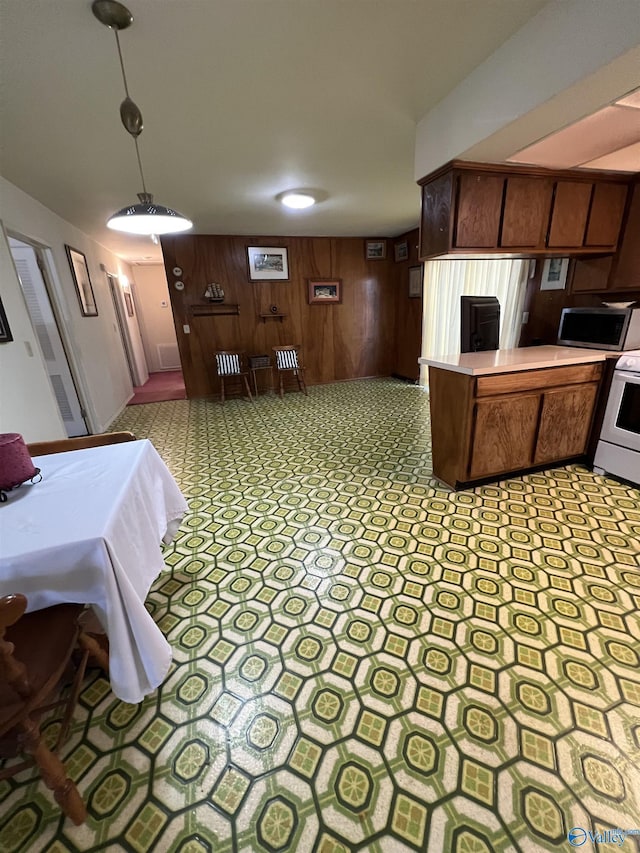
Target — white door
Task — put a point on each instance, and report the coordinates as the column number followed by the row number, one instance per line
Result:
column 46, row 329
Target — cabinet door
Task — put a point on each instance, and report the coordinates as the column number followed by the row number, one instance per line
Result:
column 590, row 274
column 569, row 215
column 478, row 211
column 527, row 206
column 565, row 422
column 504, row 434
column 626, row 274
column 435, row 227
column 605, row 216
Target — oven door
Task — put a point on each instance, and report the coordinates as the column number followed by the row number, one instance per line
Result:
column 621, row 423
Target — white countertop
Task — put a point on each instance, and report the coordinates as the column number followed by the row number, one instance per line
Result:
column 510, row 360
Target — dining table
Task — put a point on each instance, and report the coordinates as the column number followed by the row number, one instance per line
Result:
column 90, row 532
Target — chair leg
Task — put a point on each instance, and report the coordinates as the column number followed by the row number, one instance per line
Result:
column 246, row 385
column 97, row 647
column 281, row 385
column 301, row 379
column 53, row 773
column 222, row 390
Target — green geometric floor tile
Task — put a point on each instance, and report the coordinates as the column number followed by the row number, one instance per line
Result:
column 363, row 659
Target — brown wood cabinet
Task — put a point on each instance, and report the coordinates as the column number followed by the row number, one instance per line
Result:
column 493, row 425
column 485, row 208
column 621, row 271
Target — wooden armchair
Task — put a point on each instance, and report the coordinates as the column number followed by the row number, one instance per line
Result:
column 35, row 650
column 43, row 448
column 288, row 359
column 231, row 364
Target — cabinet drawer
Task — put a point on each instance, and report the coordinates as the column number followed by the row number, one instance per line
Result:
column 530, row 380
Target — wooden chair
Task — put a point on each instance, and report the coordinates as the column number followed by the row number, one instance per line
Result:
column 231, row 364
column 43, row 448
column 288, row 360
column 35, row 650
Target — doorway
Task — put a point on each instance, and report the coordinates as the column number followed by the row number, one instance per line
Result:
column 114, row 287
column 32, row 273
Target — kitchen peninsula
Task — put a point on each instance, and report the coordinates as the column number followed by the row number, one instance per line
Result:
column 498, row 412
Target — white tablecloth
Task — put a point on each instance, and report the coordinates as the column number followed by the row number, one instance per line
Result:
column 90, row 532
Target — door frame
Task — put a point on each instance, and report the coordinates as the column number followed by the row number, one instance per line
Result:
column 53, row 287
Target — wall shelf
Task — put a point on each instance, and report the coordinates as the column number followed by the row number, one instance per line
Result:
column 271, row 316
column 214, row 309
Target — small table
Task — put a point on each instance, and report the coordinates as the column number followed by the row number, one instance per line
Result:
column 254, row 370
column 90, row 533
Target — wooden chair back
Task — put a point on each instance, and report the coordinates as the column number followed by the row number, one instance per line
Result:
column 289, row 358
column 43, row 448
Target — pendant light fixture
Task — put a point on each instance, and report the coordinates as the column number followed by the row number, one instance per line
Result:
column 146, row 217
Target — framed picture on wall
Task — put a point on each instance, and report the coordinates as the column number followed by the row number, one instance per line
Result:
column 267, row 263
column 554, row 274
column 5, row 331
column 375, row 250
column 80, row 275
column 128, row 301
column 324, row 291
column 401, row 251
column 415, row 282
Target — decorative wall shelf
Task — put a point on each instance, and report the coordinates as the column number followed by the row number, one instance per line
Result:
column 214, row 308
column 271, row 316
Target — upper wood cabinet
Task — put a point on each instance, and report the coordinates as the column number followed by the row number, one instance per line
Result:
column 622, row 270
column 569, row 214
column 478, row 211
column 485, row 208
column 526, row 212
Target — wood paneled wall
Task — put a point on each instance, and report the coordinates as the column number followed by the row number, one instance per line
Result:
column 408, row 333
column 341, row 341
column 545, row 306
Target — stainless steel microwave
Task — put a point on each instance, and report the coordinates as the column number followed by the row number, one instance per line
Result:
column 600, row 328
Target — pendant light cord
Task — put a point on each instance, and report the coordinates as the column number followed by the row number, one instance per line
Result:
column 126, row 90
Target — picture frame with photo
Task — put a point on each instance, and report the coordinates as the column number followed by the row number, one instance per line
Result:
column 128, row 301
column 401, row 251
column 375, row 250
column 554, row 274
column 416, row 275
column 82, row 282
column 268, row 263
column 324, row 291
column 5, row 331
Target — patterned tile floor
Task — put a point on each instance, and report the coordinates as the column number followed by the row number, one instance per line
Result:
column 363, row 660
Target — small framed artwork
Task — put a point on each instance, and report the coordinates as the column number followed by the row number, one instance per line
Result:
column 5, row 331
column 128, row 301
column 267, row 263
column 401, row 251
column 80, row 274
column 375, row 250
column 415, row 282
column 554, row 274
column 323, row 291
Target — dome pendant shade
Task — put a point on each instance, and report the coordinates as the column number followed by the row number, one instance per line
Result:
column 148, row 218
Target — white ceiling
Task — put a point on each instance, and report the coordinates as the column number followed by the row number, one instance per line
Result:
column 242, row 99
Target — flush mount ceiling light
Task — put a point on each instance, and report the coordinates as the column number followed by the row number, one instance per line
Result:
column 297, row 200
column 146, row 217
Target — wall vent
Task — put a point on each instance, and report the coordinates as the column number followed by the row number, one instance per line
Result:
column 168, row 357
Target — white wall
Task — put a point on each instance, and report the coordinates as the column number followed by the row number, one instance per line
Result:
column 570, row 59
column 96, row 353
column 156, row 317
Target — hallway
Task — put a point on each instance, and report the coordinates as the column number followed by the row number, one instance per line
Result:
column 159, row 388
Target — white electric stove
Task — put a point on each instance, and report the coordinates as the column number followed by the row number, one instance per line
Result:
column 618, row 450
